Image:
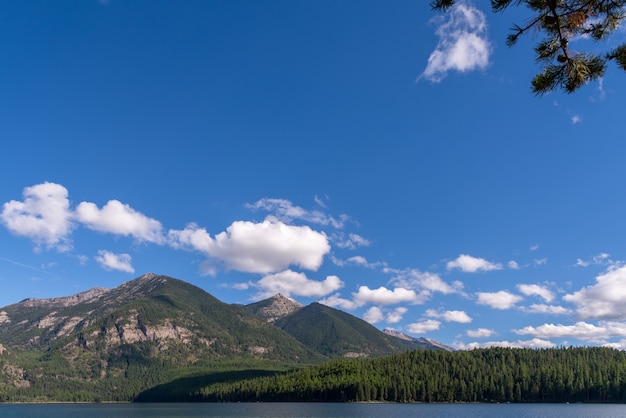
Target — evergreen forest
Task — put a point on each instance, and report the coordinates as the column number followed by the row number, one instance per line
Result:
column 577, row 374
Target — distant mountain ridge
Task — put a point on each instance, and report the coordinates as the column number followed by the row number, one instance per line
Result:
column 427, row 343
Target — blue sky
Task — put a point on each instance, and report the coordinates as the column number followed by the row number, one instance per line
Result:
column 380, row 158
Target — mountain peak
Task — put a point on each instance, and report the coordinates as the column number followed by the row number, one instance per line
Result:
column 274, row 308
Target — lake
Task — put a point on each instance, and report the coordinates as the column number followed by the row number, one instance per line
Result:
column 310, row 410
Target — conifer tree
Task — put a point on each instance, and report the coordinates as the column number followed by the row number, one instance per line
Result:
column 561, row 21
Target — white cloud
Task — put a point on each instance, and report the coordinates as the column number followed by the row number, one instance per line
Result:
column 602, row 259
column 376, row 314
column 118, row 218
column 264, row 247
column 577, row 119
column 541, row 261
column 415, row 279
column 450, row 316
column 352, row 241
column 534, row 343
column 111, row 261
column 396, row 315
column 384, row 296
column 423, row 327
column 604, row 300
column 469, row 264
column 581, row 263
column 462, row 45
column 373, row 315
column 43, row 216
column 290, row 283
column 534, row 289
column 498, row 300
column 285, row 211
column 336, row 301
column 580, row 330
column 513, row 265
column 547, row 309
column 480, row 333
column 534, row 247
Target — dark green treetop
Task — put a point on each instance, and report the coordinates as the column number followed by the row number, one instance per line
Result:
column 560, row 21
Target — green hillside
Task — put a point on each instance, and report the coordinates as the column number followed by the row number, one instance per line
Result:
column 334, row 333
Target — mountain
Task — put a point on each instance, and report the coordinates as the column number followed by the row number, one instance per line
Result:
column 420, row 343
column 334, row 333
column 155, row 331
column 274, row 308
column 119, row 342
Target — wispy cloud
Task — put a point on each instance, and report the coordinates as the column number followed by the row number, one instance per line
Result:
column 286, row 211
column 463, row 45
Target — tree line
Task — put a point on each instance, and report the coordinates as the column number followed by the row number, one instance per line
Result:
column 583, row 374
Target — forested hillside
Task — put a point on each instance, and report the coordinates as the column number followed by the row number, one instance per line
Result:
column 485, row 375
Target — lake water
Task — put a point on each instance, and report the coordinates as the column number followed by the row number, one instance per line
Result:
column 310, row 410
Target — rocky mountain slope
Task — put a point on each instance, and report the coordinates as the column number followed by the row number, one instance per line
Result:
column 274, row 308
column 112, row 344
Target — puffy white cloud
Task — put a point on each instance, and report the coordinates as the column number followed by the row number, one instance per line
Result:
column 469, row 264
column 336, row 301
column 384, row 296
column 498, row 300
column 580, row 330
column 480, row 333
column 415, row 279
column 290, row 283
column 535, row 289
column 604, row 300
column 396, row 315
column 111, row 261
column 376, row 314
column 450, row 316
column 43, row 216
column 423, row 326
column 462, row 45
column 286, row 211
column 265, row 247
column 534, row 343
column 547, row 309
column 373, row 315
column 118, row 218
